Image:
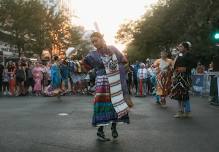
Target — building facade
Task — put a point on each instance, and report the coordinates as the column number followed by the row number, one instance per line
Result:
column 8, row 51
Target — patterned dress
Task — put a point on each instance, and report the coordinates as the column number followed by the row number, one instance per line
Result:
column 54, row 88
column 164, row 76
column 182, row 78
column 104, row 110
column 38, row 76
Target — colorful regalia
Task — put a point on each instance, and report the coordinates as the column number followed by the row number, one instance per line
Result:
column 182, row 77
column 111, row 89
column 38, row 77
column 54, row 87
column 164, row 76
column 55, row 76
column 64, row 75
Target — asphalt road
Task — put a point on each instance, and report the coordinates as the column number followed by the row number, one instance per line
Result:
column 46, row 124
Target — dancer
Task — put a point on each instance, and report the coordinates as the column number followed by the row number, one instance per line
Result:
column 163, row 67
column 184, row 62
column 54, row 89
column 111, row 94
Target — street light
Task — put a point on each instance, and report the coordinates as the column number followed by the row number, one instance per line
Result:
column 216, row 36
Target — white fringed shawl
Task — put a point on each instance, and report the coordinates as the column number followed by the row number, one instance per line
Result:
column 112, row 71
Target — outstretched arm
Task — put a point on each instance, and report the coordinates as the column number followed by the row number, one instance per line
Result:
column 87, row 63
column 84, row 67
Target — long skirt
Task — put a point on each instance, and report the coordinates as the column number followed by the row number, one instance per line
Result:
column 180, row 87
column 12, row 86
column 164, row 83
column 38, row 84
column 104, row 112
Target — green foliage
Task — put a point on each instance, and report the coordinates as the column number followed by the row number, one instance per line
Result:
column 126, row 31
column 33, row 27
column 170, row 22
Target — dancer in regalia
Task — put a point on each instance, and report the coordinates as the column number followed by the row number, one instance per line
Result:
column 111, row 98
column 184, row 62
column 54, row 89
column 163, row 67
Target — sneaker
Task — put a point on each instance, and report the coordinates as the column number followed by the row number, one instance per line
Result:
column 179, row 114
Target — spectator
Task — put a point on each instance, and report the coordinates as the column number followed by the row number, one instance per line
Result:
column 130, row 79
column 38, row 77
column 200, row 68
column 135, row 71
column 20, row 79
column 210, row 68
column 141, row 77
column 30, row 80
column 5, row 83
column 214, row 86
column 1, row 72
column 12, row 72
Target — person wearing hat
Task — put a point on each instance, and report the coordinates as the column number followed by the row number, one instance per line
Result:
column 111, row 98
column 184, row 62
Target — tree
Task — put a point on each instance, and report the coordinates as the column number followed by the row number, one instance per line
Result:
column 172, row 21
column 12, row 20
column 33, row 27
column 126, row 31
